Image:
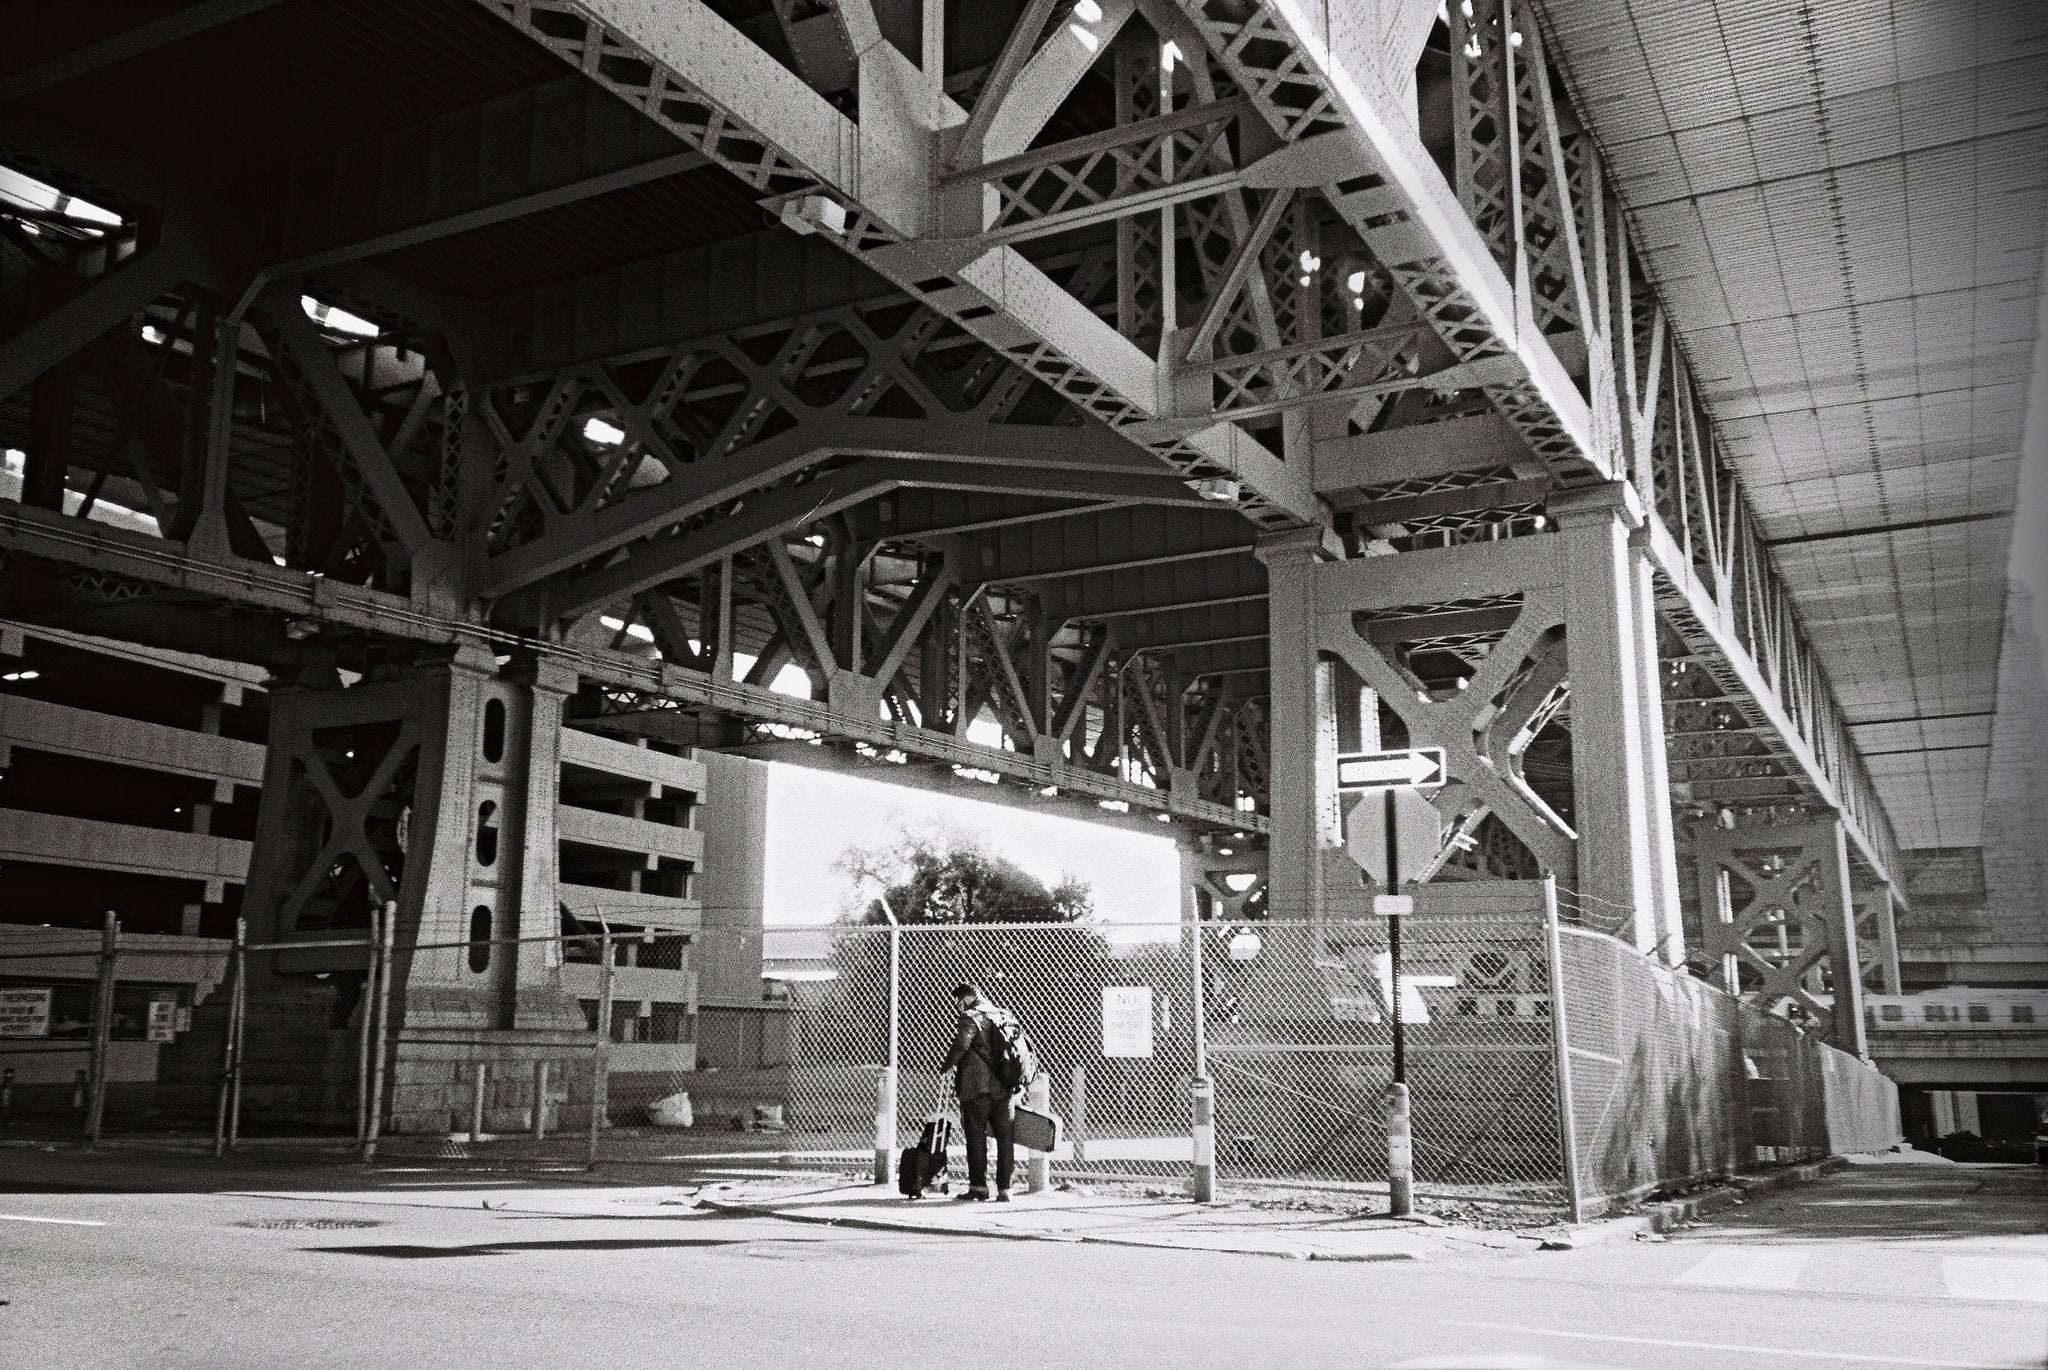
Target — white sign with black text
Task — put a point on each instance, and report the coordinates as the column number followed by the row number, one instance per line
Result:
column 25, row 1012
column 1127, row 1020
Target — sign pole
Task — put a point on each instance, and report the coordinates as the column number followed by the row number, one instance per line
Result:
column 891, row 1076
column 1394, row 935
column 1202, row 1182
column 1415, row 770
column 1400, row 1133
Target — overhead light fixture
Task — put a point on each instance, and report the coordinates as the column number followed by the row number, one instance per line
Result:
column 22, row 675
column 604, row 434
column 1221, row 489
column 337, row 318
column 299, row 629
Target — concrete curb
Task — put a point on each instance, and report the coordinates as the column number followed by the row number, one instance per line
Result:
column 1672, row 1214
column 753, row 1210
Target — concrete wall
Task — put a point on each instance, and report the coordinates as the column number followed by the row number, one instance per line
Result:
column 735, row 825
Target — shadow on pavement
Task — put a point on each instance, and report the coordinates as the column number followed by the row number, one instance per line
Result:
column 1898, row 1204
column 429, row 1253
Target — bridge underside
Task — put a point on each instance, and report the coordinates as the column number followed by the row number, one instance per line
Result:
column 1120, row 405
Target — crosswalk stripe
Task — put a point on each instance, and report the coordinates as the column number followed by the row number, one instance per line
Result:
column 1748, row 1267
column 2021, row 1278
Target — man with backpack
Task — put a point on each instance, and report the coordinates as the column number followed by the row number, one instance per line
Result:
column 992, row 1064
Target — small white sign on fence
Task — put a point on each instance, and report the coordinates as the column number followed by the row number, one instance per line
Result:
column 25, row 1012
column 1127, row 1020
column 163, row 1021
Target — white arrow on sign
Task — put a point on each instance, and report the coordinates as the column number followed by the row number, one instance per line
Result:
column 1422, row 767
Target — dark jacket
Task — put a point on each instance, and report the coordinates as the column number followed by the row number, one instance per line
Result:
column 971, row 1056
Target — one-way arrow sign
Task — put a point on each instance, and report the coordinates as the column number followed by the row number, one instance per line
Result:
column 1422, row 767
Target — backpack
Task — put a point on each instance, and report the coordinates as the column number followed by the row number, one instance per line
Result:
column 1011, row 1059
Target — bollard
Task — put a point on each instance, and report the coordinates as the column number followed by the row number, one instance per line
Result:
column 1080, row 1112
column 540, row 1101
column 1038, row 1167
column 885, row 1122
column 1202, row 1186
column 6, row 1095
column 1400, row 1153
column 476, row 1102
column 78, row 1092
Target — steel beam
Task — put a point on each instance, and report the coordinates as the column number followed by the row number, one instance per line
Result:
column 129, row 43
column 1156, row 589
column 688, row 69
column 761, row 517
column 1110, row 540
column 330, row 606
column 523, row 153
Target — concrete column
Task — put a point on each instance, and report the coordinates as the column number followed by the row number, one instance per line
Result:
column 1302, row 750
column 1663, row 840
column 1884, row 921
column 1838, row 911
column 531, row 909
column 1623, row 850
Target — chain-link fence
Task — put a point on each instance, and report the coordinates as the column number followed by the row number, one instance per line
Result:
column 1111, row 1014
column 1672, row 1082
column 1548, row 1062
column 86, row 1019
column 1301, row 1046
column 111, row 1033
column 1646, row 1079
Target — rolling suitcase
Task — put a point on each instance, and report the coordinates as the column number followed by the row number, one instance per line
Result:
column 923, row 1166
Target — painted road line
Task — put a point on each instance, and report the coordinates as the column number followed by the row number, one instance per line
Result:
column 2021, row 1279
column 1748, row 1267
column 1793, row 1353
column 66, row 1222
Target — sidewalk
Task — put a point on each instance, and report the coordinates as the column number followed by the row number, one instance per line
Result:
column 1078, row 1215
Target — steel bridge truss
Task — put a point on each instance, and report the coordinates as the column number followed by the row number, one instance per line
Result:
column 977, row 438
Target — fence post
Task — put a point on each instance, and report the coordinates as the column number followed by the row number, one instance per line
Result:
column 238, row 1031
column 1400, row 1151
column 476, row 1103
column 1038, row 1166
column 1080, row 1114
column 601, row 1048
column 387, row 931
column 885, row 1121
column 102, row 1032
column 1202, row 1094
column 227, row 1054
column 540, row 1101
column 1203, row 1187
column 363, row 1029
column 886, row 1087
column 1560, row 1045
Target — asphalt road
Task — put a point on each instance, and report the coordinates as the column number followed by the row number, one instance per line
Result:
column 1898, row 1266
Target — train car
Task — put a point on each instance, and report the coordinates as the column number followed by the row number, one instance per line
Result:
column 1958, row 1009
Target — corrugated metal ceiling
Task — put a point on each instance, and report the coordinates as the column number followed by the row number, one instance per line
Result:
column 1842, row 203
